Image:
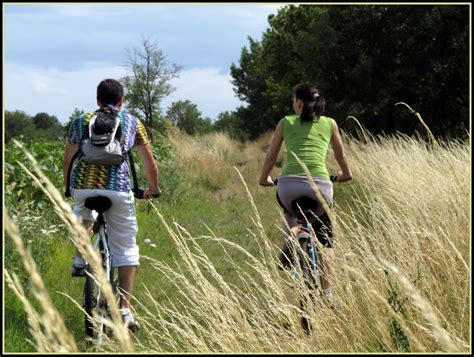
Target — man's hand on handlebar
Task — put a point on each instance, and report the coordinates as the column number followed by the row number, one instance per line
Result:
column 149, row 194
column 266, row 183
column 146, row 194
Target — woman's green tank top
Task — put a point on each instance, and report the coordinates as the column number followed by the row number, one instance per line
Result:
column 310, row 142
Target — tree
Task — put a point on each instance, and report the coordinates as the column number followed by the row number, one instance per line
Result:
column 42, row 126
column 75, row 114
column 205, row 126
column 149, row 80
column 45, row 121
column 363, row 59
column 229, row 122
column 48, row 126
column 18, row 123
column 250, row 85
column 186, row 116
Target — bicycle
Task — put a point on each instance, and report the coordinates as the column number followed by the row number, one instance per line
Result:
column 307, row 254
column 94, row 302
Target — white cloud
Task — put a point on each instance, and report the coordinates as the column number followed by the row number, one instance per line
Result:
column 210, row 90
column 73, row 10
column 56, row 92
column 36, row 89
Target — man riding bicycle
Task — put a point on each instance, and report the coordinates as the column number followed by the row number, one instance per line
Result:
column 308, row 134
column 113, row 182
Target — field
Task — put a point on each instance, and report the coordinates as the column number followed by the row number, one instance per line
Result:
column 208, row 280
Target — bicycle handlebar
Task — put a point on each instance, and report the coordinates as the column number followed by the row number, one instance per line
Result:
column 138, row 193
column 332, row 178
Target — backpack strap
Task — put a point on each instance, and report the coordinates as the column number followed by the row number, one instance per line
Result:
column 85, row 135
column 68, row 176
column 130, row 161
column 132, row 169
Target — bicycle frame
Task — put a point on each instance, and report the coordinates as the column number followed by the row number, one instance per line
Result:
column 305, row 233
column 93, row 294
column 95, row 329
column 101, row 243
column 312, row 251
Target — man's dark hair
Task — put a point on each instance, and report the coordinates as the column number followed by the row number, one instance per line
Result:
column 109, row 91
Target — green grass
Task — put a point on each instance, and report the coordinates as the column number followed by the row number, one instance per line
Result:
column 199, row 205
column 372, row 226
column 16, row 327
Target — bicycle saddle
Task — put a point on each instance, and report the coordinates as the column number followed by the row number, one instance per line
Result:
column 309, row 207
column 99, row 203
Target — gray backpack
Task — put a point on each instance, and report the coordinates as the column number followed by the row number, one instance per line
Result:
column 101, row 144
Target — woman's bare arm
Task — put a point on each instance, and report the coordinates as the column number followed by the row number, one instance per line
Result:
column 272, row 155
column 339, row 153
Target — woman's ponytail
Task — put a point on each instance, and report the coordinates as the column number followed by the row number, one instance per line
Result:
column 319, row 106
column 307, row 112
column 313, row 103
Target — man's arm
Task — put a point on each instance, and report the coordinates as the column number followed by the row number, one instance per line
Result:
column 68, row 154
column 151, row 169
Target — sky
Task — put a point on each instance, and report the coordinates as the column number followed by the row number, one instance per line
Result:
column 54, row 55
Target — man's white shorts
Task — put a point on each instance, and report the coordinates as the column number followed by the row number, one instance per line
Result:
column 121, row 223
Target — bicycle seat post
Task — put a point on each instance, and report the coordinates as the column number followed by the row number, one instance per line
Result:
column 98, row 222
column 99, row 204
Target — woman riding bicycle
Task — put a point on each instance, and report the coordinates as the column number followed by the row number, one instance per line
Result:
column 308, row 135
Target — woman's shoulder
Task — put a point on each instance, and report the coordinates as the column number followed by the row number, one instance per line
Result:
column 290, row 118
column 329, row 120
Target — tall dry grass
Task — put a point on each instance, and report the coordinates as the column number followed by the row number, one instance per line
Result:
column 402, row 267
column 207, row 157
column 402, row 264
column 49, row 331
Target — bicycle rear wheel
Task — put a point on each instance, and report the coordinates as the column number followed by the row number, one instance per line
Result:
column 310, row 279
column 306, row 263
column 94, row 306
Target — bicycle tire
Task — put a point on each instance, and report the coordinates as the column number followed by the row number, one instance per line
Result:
column 310, row 281
column 91, row 305
column 306, row 265
column 114, row 282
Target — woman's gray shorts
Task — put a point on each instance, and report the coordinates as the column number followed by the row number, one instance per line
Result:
column 291, row 187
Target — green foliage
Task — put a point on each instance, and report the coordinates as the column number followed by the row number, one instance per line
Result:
column 363, row 59
column 148, row 81
column 18, row 185
column 77, row 113
column 228, row 122
column 20, row 125
column 186, row 116
column 27, row 205
column 45, row 121
column 171, row 172
column 396, row 299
